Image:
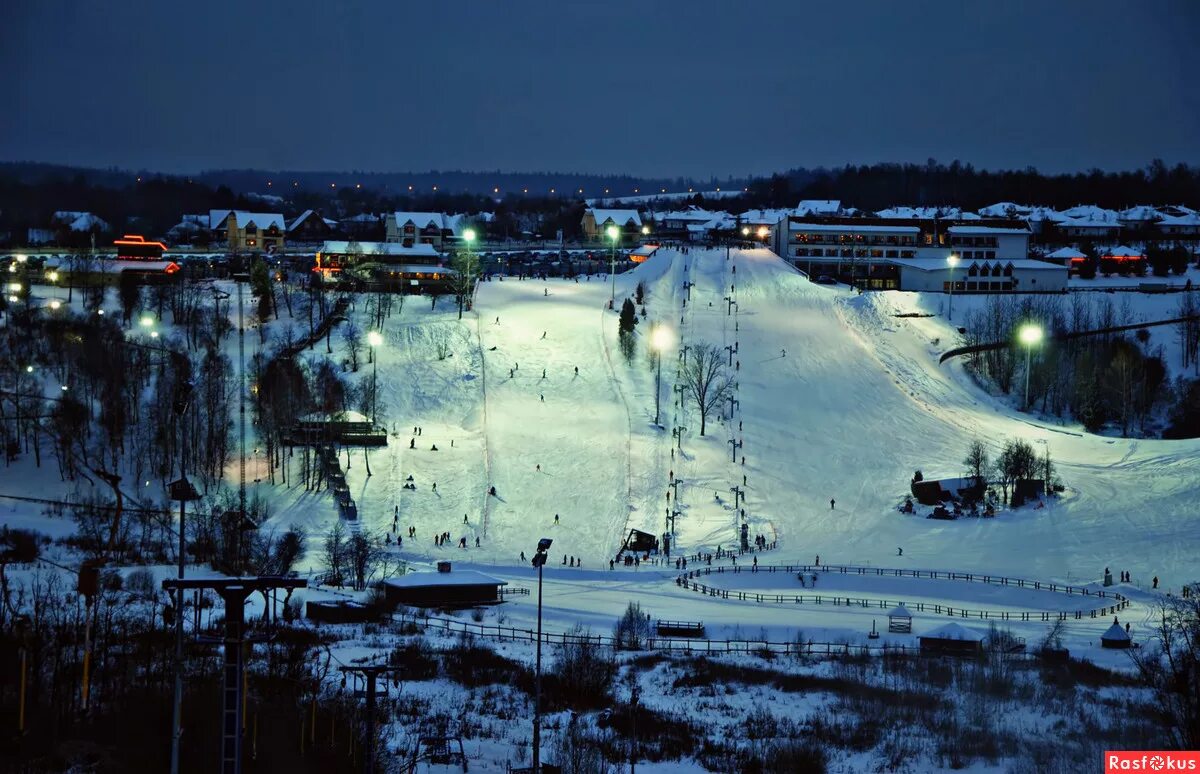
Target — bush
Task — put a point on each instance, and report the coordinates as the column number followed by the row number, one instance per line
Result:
column 583, row 673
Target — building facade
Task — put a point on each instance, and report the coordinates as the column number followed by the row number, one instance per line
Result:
column 248, row 232
column 410, row 229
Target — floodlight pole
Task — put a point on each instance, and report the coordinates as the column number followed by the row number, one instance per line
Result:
column 657, row 385
column 1028, row 350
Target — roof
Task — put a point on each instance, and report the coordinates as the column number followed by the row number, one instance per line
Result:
column 1123, row 252
column 852, row 228
column 217, row 218
column 1070, row 222
column 764, row 216
column 421, row 220
column 1140, row 212
column 453, row 578
column 1189, row 219
column 646, row 250
column 1067, row 252
column 620, row 217
column 949, row 213
column 954, row 631
column 1115, row 632
column 899, row 611
column 378, row 248
column 1005, row 210
column 987, row 230
column 939, row 264
column 1038, row 214
column 692, row 213
column 1091, row 212
column 79, row 221
column 308, row 214
column 818, row 207
column 116, row 267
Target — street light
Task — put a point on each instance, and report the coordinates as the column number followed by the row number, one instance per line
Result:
column 951, row 261
column 614, row 234
column 1030, row 335
column 146, row 321
column 539, row 561
column 660, row 339
column 374, row 339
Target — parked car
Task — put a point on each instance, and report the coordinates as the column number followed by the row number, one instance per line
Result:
column 825, row 279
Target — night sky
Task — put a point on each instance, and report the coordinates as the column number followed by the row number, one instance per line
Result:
column 647, row 88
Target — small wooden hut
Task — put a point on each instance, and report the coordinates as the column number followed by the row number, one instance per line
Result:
column 900, row 620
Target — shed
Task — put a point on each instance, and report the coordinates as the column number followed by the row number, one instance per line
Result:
column 952, row 638
column 1116, row 637
column 338, row 611
column 445, row 587
column 900, row 620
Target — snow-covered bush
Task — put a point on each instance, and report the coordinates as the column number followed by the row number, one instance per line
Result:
column 633, row 628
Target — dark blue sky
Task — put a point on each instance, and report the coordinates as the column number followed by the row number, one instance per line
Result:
column 651, row 88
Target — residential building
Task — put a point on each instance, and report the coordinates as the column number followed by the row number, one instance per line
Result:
column 249, row 232
column 818, row 208
column 417, row 228
column 596, row 222
column 311, row 227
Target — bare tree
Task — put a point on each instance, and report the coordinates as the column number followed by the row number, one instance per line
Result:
column 1171, row 669
column 977, row 461
column 441, row 343
column 706, row 379
column 363, row 553
column 337, row 553
column 465, row 268
column 352, row 334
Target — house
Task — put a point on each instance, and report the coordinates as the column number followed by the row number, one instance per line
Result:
column 416, row 228
column 1005, row 210
column 1140, row 217
column 344, row 427
column 444, row 588
column 952, row 638
column 365, row 225
column 79, row 222
column 642, row 252
column 596, row 222
column 390, row 265
column 1185, row 225
column 1088, row 229
column 983, row 276
column 311, row 227
column 191, row 229
column 1121, row 259
column 692, row 222
column 926, row 213
column 243, row 231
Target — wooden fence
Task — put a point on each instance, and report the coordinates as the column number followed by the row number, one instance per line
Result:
column 1113, row 602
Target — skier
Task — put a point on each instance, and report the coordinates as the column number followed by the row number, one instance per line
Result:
column 831, row 503
column 556, row 518
column 464, row 518
column 542, row 396
column 435, row 486
column 412, row 444
column 539, row 467
column 522, row 556
column 477, row 541
column 899, row 551
column 577, row 370
column 543, row 334
column 543, row 373
column 783, row 353
column 433, row 448
column 818, row 562
column 497, row 320
column 1155, row 581
column 545, row 292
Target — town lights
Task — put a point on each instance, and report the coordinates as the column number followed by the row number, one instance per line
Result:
column 1030, row 335
column 763, row 231
column 469, row 235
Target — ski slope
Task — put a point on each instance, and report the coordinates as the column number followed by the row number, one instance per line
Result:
column 854, row 407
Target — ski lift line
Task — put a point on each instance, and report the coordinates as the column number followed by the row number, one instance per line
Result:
column 976, row 348
column 68, row 504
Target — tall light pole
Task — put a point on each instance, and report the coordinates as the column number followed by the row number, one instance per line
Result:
column 1030, row 335
column 374, row 339
column 614, row 234
column 539, row 561
column 469, row 238
column 951, row 261
column 660, row 339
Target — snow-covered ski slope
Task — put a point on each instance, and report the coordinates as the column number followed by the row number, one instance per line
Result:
column 857, row 403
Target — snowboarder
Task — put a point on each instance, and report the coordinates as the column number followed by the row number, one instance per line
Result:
column 542, row 396
column 577, row 370
column 543, row 334
column 412, row 444
column 832, row 502
column 543, row 373
column 435, row 486
column 492, row 491
column 497, row 321
column 538, row 468
column 556, row 518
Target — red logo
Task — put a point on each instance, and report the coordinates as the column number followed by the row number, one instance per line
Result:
column 1151, row 761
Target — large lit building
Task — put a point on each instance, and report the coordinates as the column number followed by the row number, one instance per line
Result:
column 248, row 232
column 417, row 228
column 384, row 265
column 596, row 221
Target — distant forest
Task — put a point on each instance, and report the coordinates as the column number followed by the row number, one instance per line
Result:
column 30, row 193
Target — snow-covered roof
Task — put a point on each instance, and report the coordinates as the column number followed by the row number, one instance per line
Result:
column 1115, row 632
column 955, row 631
column 1189, row 219
column 1141, row 212
column 304, row 216
column 378, row 248
column 1123, row 251
column 694, row 214
column 1090, row 212
column 1064, row 253
column 619, row 217
column 939, row 264
column 79, row 221
column 901, row 213
column 851, row 228
column 1005, row 210
column 1039, row 214
column 452, row 578
column 899, row 611
column 818, row 207
column 981, row 230
column 364, row 217
column 421, row 220
column 764, row 217
column 217, row 218
column 1084, row 222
